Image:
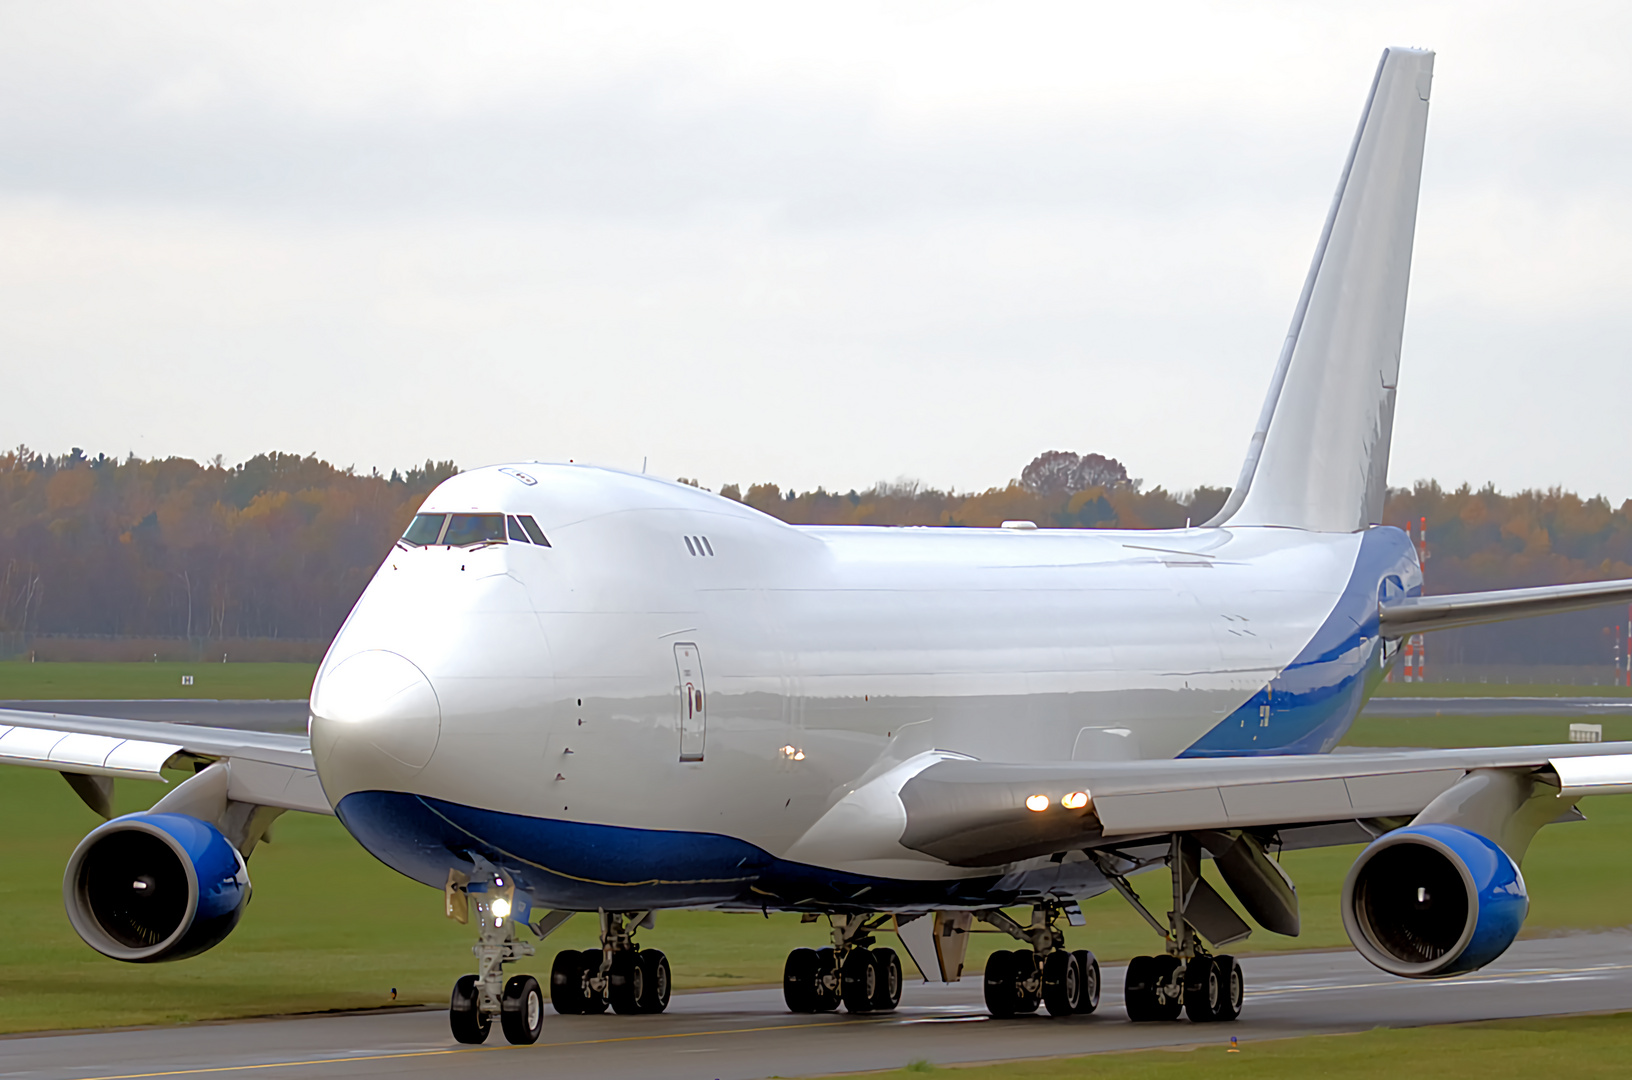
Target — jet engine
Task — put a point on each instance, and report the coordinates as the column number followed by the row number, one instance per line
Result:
column 155, row 886
column 1429, row 901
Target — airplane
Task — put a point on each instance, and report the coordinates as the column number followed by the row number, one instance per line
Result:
column 574, row 689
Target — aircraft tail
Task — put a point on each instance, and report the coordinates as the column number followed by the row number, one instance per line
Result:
column 1318, row 459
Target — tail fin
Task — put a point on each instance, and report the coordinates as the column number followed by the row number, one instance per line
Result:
column 1319, row 457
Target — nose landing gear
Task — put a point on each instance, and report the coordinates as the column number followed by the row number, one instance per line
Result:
column 478, row 998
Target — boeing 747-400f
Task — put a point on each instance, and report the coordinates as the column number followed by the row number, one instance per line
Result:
column 572, row 689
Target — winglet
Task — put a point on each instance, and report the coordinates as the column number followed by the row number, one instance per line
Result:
column 1318, row 458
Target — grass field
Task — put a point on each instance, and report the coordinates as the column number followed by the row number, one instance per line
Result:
column 330, row 928
column 20, row 680
column 1580, row 1047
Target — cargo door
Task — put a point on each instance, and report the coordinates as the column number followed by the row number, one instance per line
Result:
column 693, row 697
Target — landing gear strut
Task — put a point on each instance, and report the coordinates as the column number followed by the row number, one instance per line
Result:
column 1186, row 978
column 620, row 973
column 478, row 998
column 851, row 970
column 1046, row 974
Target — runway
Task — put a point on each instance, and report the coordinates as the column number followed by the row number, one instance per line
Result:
column 284, row 716
column 743, row 1034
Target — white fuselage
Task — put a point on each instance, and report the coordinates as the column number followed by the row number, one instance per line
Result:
column 677, row 663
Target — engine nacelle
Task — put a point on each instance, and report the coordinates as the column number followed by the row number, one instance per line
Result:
column 149, row 887
column 1428, row 901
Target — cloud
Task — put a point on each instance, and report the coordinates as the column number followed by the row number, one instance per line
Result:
column 805, row 245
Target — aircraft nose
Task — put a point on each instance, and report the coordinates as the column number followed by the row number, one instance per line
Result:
column 379, row 698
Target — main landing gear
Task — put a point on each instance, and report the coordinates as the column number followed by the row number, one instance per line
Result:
column 865, row 979
column 1065, row 983
column 1187, row 978
column 620, row 973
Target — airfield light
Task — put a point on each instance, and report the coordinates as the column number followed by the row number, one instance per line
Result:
column 1075, row 801
column 1037, row 803
column 501, row 907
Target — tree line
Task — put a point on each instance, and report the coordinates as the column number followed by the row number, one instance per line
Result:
column 281, row 545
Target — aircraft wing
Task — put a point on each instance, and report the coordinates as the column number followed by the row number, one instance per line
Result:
column 975, row 813
column 265, row 769
column 1415, row 614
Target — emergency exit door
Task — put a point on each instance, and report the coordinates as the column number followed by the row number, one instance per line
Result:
column 688, row 668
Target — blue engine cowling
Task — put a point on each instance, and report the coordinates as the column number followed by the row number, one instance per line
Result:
column 1429, row 901
column 149, row 887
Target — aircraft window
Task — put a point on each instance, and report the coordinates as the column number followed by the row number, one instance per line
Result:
column 533, row 531
column 425, row 529
column 707, row 545
column 689, row 548
column 513, row 527
column 467, row 529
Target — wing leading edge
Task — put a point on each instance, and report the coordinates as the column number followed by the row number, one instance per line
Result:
column 264, row 769
column 1413, row 615
column 976, row 813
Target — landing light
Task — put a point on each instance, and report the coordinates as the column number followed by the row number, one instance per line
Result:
column 1037, row 803
column 1075, row 801
column 501, row 907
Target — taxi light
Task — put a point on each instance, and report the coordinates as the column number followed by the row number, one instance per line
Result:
column 501, row 907
column 1075, row 801
column 1037, row 803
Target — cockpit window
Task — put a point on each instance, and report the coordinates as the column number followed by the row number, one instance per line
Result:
column 513, row 528
column 467, row 529
column 425, row 529
column 533, row 530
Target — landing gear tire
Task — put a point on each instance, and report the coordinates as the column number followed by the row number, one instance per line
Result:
column 1062, row 983
column 655, row 966
column 465, row 1015
column 1002, row 998
column 1233, row 986
column 1146, row 989
column 521, row 1010
column 859, row 977
column 887, row 991
column 802, row 981
column 1009, row 981
column 1203, row 990
column 626, row 983
column 567, row 983
column 1088, row 1001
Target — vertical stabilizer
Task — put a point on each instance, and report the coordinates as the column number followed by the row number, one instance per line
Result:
column 1319, row 456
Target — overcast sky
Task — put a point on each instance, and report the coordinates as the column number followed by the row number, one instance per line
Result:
column 818, row 244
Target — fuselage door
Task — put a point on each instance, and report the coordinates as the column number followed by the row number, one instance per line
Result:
column 693, row 698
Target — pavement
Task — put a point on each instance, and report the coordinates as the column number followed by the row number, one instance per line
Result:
column 279, row 716
column 745, row 1034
